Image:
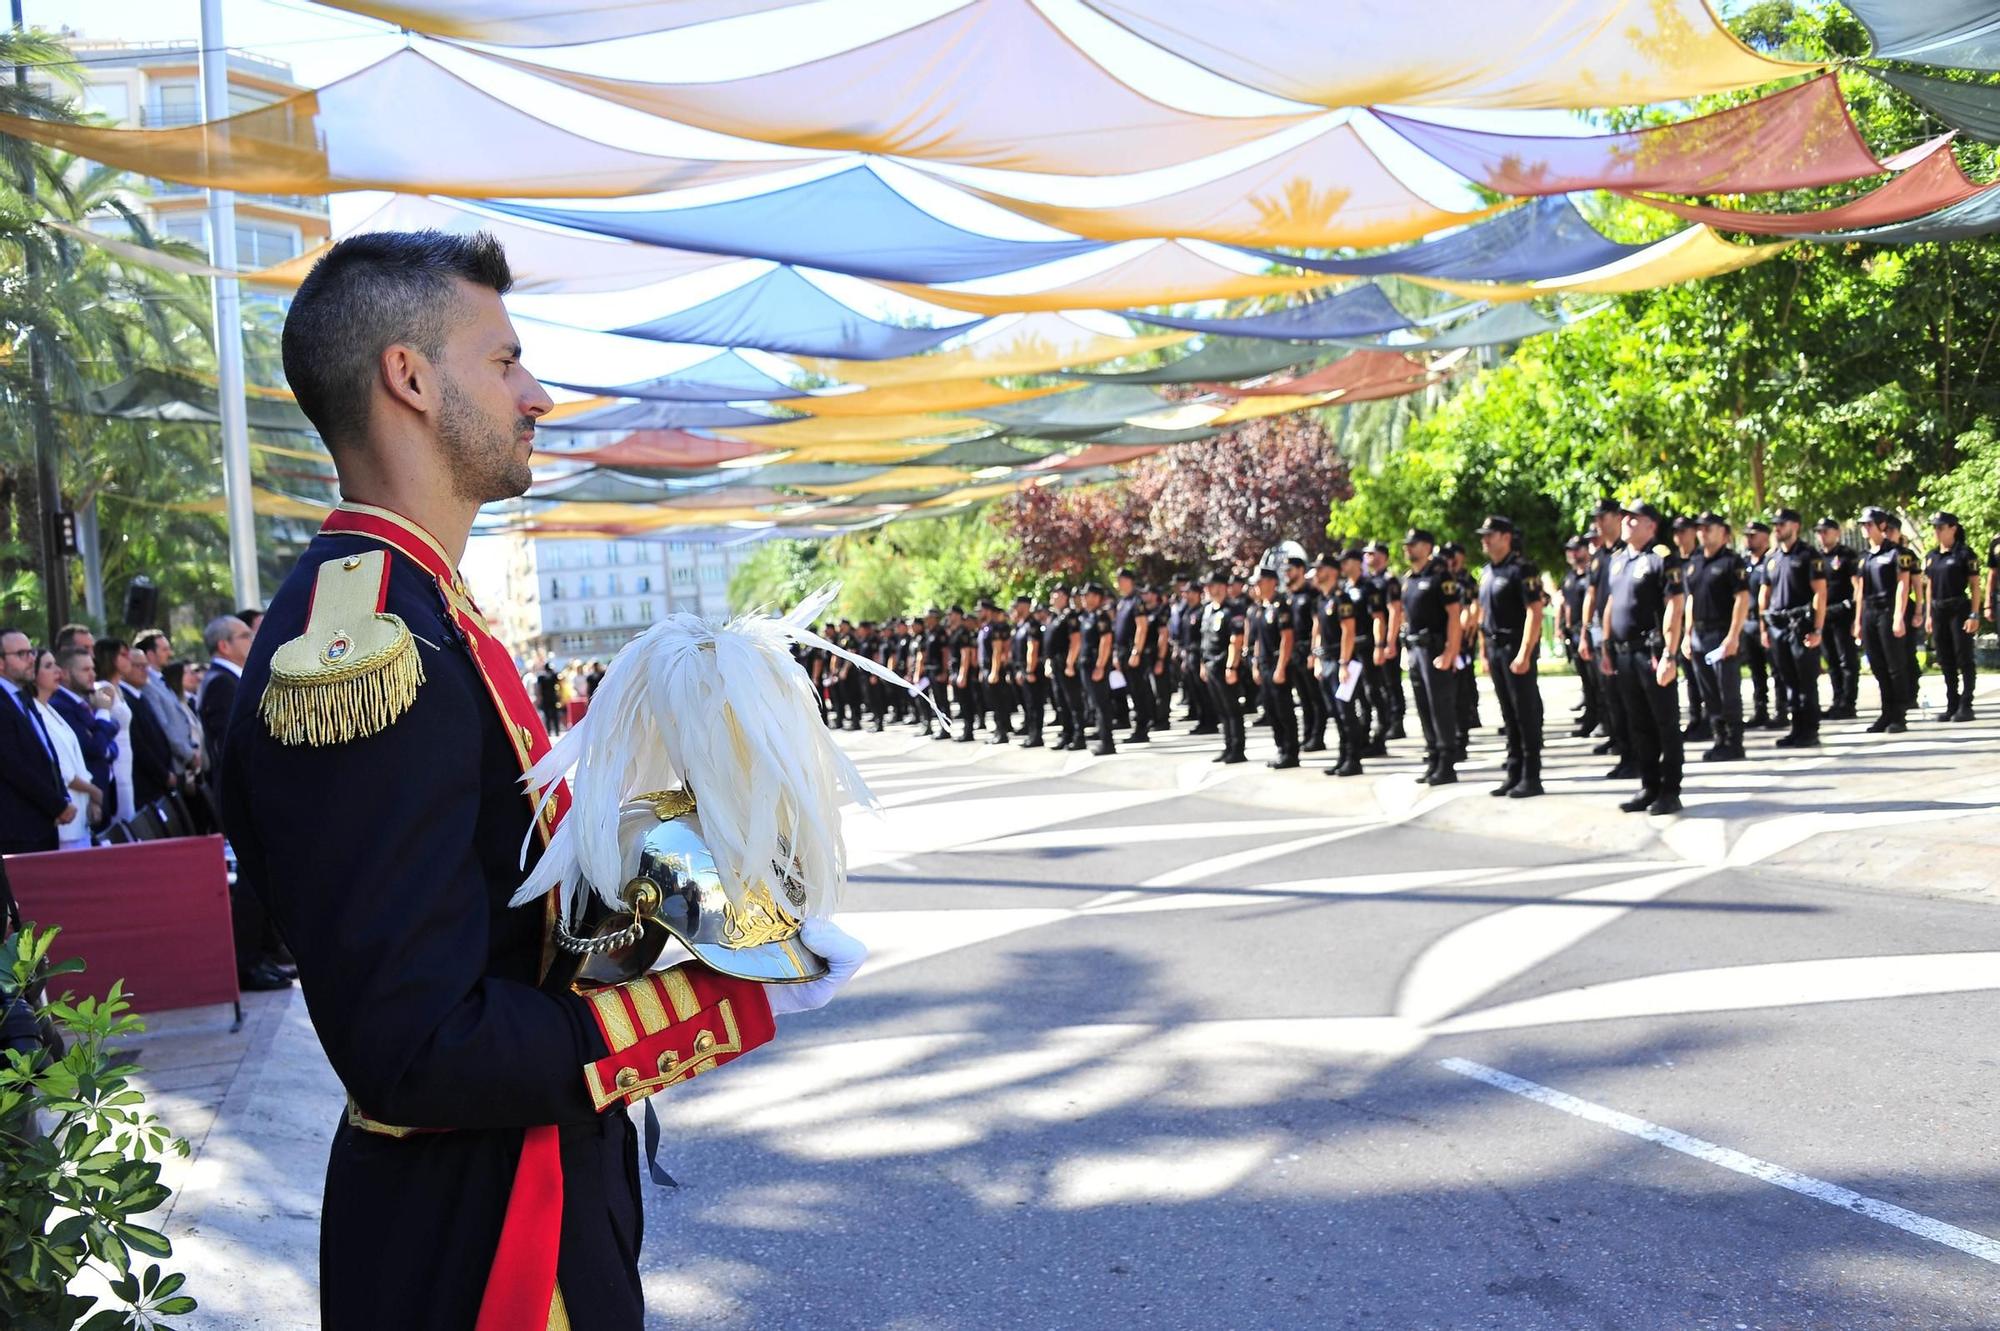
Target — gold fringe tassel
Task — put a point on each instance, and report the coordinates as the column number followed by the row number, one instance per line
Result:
column 333, row 711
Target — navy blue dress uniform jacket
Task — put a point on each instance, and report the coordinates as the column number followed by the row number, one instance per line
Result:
column 387, row 863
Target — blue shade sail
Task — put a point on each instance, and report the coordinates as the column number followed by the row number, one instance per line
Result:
column 1514, row 322
column 1080, row 412
column 783, row 312
column 848, row 222
column 1356, row 312
column 724, row 377
column 1545, row 237
column 1973, row 109
column 661, row 416
column 1976, row 216
column 1219, row 360
column 1960, row 34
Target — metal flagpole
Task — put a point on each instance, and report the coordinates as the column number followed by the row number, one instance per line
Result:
column 228, row 316
column 48, row 491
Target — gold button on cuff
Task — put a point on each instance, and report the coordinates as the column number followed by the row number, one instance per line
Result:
column 704, row 1042
column 670, row 1063
column 626, row 1079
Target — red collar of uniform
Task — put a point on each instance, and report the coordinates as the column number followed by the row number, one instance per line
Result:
column 396, row 530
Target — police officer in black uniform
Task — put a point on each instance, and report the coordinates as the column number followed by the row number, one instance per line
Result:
column 1268, row 630
column 1883, row 587
column 1370, row 704
column 1642, row 629
column 1094, row 665
column 997, row 672
column 1793, row 601
column 1221, row 659
column 961, row 657
column 1059, row 652
column 1031, row 670
column 1430, row 634
column 1570, row 624
column 1609, row 520
column 1951, row 590
column 1756, row 649
column 1466, row 677
column 1185, row 630
column 1718, row 593
column 1336, row 651
column 1302, row 599
column 1134, row 701
column 1158, row 662
column 1843, row 658
column 1993, row 582
column 1687, row 540
column 1386, row 591
column 1511, row 601
column 930, row 666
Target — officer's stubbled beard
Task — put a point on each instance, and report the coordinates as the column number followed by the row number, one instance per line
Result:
column 484, row 451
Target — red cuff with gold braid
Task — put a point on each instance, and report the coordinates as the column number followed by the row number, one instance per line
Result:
column 668, row 1026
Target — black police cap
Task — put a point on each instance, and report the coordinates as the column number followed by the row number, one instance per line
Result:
column 1090, row 587
column 1418, row 536
column 1826, row 524
column 1786, row 515
column 1218, row 576
column 1605, row 507
column 1296, row 561
column 1352, row 552
column 1639, row 508
column 1330, row 561
column 1267, row 571
column 1757, row 527
column 1942, row 518
column 1682, row 522
column 1575, row 543
column 1710, row 518
column 1495, row 525
column 1450, row 548
column 1375, row 548
column 1127, row 573
column 933, row 611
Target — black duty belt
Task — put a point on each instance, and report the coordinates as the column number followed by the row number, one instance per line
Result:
column 1712, row 625
column 1883, row 601
column 1953, row 603
column 1790, row 618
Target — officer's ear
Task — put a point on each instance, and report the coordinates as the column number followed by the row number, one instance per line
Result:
column 409, row 377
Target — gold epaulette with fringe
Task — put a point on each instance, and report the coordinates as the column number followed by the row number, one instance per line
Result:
column 354, row 670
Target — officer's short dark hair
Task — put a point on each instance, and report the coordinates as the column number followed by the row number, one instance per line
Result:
column 368, row 293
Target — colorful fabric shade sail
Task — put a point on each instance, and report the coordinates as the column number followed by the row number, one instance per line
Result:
column 1166, row 274
column 539, row 23
column 1355, row 373
column 1219, row 358
column 1793, row 139
column 1087, row 409
column 1685, row 256
column 1463, row 53
column 171, row 395
column 1037, row 344
column 1328, row 192
column 673, row 450
column 849, row 222
column 1976, row 216
column 1355, row 312
column 1492, row 328
column 894, row 478
column 1544, row 237
column 1971, row 108
column 1959, row 34
column 943, row 395
column 990, row 84
column 848, row 429
column 782, row 311
column 472, row 144
column 656, row 416
column 1937, row 181
column 724, row 377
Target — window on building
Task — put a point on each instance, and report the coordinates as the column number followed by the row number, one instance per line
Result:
column 683, row 577
column 108, row 99
column 260, row 244
column 597, row 553
column 191, row 227
column 590, row 616
column 616, row 584
column 555, row 589
column 174, row 104
column 678, row 547
column 618, row 612
column 586, row 585
column 645, row 583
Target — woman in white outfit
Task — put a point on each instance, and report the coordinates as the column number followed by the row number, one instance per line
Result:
column 69, row 757
column 108, row 652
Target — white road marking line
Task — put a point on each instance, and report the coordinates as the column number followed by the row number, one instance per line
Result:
column 1088, row 837
column 1910, row 1222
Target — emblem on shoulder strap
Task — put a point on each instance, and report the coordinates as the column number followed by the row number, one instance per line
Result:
column 354, row 670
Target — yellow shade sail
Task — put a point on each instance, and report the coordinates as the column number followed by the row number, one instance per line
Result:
column 860, row 453
column 265, row 503
column 1328, row 192
column 896, row 478
column 942, row 395
column 1462, row 53
column 640, row 517
column 539, row 23
column 846, row 430
column 1167, row 274
column 991, row 84
column 970, row 493
column 404, row 123
column 1037, row 344
column 1685, row 256
column 1257, row 408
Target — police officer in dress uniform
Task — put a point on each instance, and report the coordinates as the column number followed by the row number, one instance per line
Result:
column 1387, row 590
column 1687, row 540
column 1882, row 587
column 1951, row 590
column 1336, row 648
column 1270, row 635
column 1133, row 701
column 1095, row 664
column 1609, row 521
column 1570, row 622
column 1718, row 593
column 1065, row 689
column 1430, row 634
column 485, row 1162
column 1302, row 599
column 1756, row 650
column 1843, row 658
column 1642, row 629
column 1511, row 602
column 1221, row 660
column 1793, row 602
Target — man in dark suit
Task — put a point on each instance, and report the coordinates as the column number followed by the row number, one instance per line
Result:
column 87, row 709
column 152, row 755
column 32, row 798
column 228, row 641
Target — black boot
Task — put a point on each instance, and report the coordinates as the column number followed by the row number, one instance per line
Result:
column 1640, row 802
column 1506, row 787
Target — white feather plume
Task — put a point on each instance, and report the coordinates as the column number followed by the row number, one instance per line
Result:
column 724, row 710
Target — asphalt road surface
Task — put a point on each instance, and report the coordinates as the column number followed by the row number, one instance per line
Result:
column 1140, row 1059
